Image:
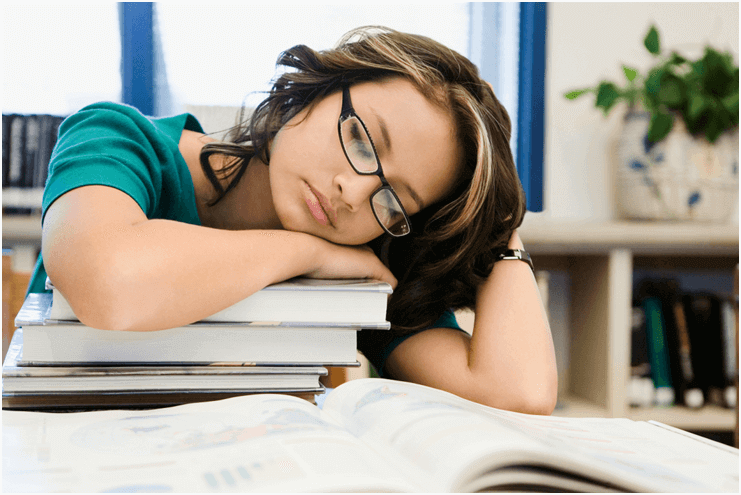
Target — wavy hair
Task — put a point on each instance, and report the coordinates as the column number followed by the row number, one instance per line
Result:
column 453, row 244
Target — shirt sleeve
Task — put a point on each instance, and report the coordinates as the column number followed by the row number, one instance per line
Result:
column 110, row 145
column 377, row 345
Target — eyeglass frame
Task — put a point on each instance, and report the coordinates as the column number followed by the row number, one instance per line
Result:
column 347, row 112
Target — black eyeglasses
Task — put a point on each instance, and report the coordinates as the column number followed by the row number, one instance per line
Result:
column 360, row 152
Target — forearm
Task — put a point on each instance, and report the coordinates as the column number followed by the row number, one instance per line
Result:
column 160, row 274
column 511, row 350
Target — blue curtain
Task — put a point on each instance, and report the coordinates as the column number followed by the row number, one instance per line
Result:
column 507, row 43
column 137, row 55
column 531, row 102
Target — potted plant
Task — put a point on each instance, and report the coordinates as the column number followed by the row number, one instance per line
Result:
column 678, row 153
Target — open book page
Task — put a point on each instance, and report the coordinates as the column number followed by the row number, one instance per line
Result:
column 458, row 442
column 254, row 443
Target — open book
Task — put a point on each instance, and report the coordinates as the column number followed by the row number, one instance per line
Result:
column 371, row 435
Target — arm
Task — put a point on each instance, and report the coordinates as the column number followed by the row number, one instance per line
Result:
column 508, row 363
column 121, row 271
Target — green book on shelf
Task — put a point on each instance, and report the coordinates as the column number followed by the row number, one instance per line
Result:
column 658, row 352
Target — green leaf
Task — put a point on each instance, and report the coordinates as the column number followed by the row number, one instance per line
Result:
column 572, row 95
column 653, row 83
column 660, row 126
column 652, row 41
column 607, row 96
column 671, row 91
column 630, row 74
column 730, row 102
column 677, row 59
column 697, row 105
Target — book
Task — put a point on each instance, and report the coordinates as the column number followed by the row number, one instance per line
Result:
column 218, row 376
column 55, row 341
column 686, row 388
column 640, row 386
column 657, row 352
column 142, row 399
column 351, row 301
column 729, row 317
column 703, row 312
column 370, row 435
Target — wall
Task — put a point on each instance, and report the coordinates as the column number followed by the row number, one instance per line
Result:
column 588, row 42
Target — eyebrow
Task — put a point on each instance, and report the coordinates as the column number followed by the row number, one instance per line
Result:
column 386, row 141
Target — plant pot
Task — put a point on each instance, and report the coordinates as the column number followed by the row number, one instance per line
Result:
column 679, row 178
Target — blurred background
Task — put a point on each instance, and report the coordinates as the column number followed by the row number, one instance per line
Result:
column 612, row 223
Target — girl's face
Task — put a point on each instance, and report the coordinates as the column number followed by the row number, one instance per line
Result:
column 314, row 188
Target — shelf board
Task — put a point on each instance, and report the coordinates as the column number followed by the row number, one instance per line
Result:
column 576, row 407
column 710, row 418
column 22, row 228
column 553, row 236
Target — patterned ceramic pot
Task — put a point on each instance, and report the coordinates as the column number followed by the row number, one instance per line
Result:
column 679, row 178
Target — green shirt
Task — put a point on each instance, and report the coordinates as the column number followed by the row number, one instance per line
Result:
column 114, row 145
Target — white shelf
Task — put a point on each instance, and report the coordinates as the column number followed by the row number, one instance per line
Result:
column 23, row 229
column 706, row 418
column 575, row 237
column 17, row 197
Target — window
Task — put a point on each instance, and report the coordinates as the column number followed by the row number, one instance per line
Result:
column 218, row 54
column 59, row 57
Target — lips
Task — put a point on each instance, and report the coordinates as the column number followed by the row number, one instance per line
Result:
column 319, row 206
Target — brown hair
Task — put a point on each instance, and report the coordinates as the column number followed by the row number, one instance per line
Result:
column 453, row 243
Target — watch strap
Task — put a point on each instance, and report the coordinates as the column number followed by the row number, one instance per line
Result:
column 516, row 254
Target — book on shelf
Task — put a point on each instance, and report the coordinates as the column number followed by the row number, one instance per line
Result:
column 370, row 435
column 641, row 386
column 678, row 345
column 28, row 141
column 349, row 301
column 705, row 326
column 658, row 353
column 49, row 341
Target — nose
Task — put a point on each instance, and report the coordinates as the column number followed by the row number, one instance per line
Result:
column 355, row 189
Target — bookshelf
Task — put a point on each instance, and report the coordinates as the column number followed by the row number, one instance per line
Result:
column 600, row 258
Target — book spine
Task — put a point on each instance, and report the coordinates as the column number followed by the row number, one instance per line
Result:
column 691, row 394
column 33, row 136
column 7, row 120
column 17, row 151
column 658, row 353
column 640, row 386
column 729, row 315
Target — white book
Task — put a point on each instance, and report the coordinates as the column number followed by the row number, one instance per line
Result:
column 351, row 301
column 66, row 379
column 54, row 341
column 372, row 435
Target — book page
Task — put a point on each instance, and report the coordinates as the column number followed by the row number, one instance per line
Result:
column 457, row 441
column 254, row 443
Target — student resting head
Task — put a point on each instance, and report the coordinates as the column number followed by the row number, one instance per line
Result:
column 449, row 144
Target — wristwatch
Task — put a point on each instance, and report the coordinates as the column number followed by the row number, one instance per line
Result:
column 516, row 254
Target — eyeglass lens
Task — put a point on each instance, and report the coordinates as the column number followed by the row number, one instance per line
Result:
column 362, row 157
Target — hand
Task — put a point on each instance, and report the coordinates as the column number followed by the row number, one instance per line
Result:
column 338, row 261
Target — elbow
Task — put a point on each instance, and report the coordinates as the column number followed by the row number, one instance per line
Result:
column 97, row 296
column 538, row 398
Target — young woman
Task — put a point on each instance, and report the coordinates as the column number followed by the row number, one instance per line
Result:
column 386, row 157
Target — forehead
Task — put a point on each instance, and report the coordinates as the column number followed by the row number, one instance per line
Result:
column 424, row 152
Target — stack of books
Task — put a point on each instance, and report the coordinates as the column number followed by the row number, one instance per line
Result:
column 279, row 340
